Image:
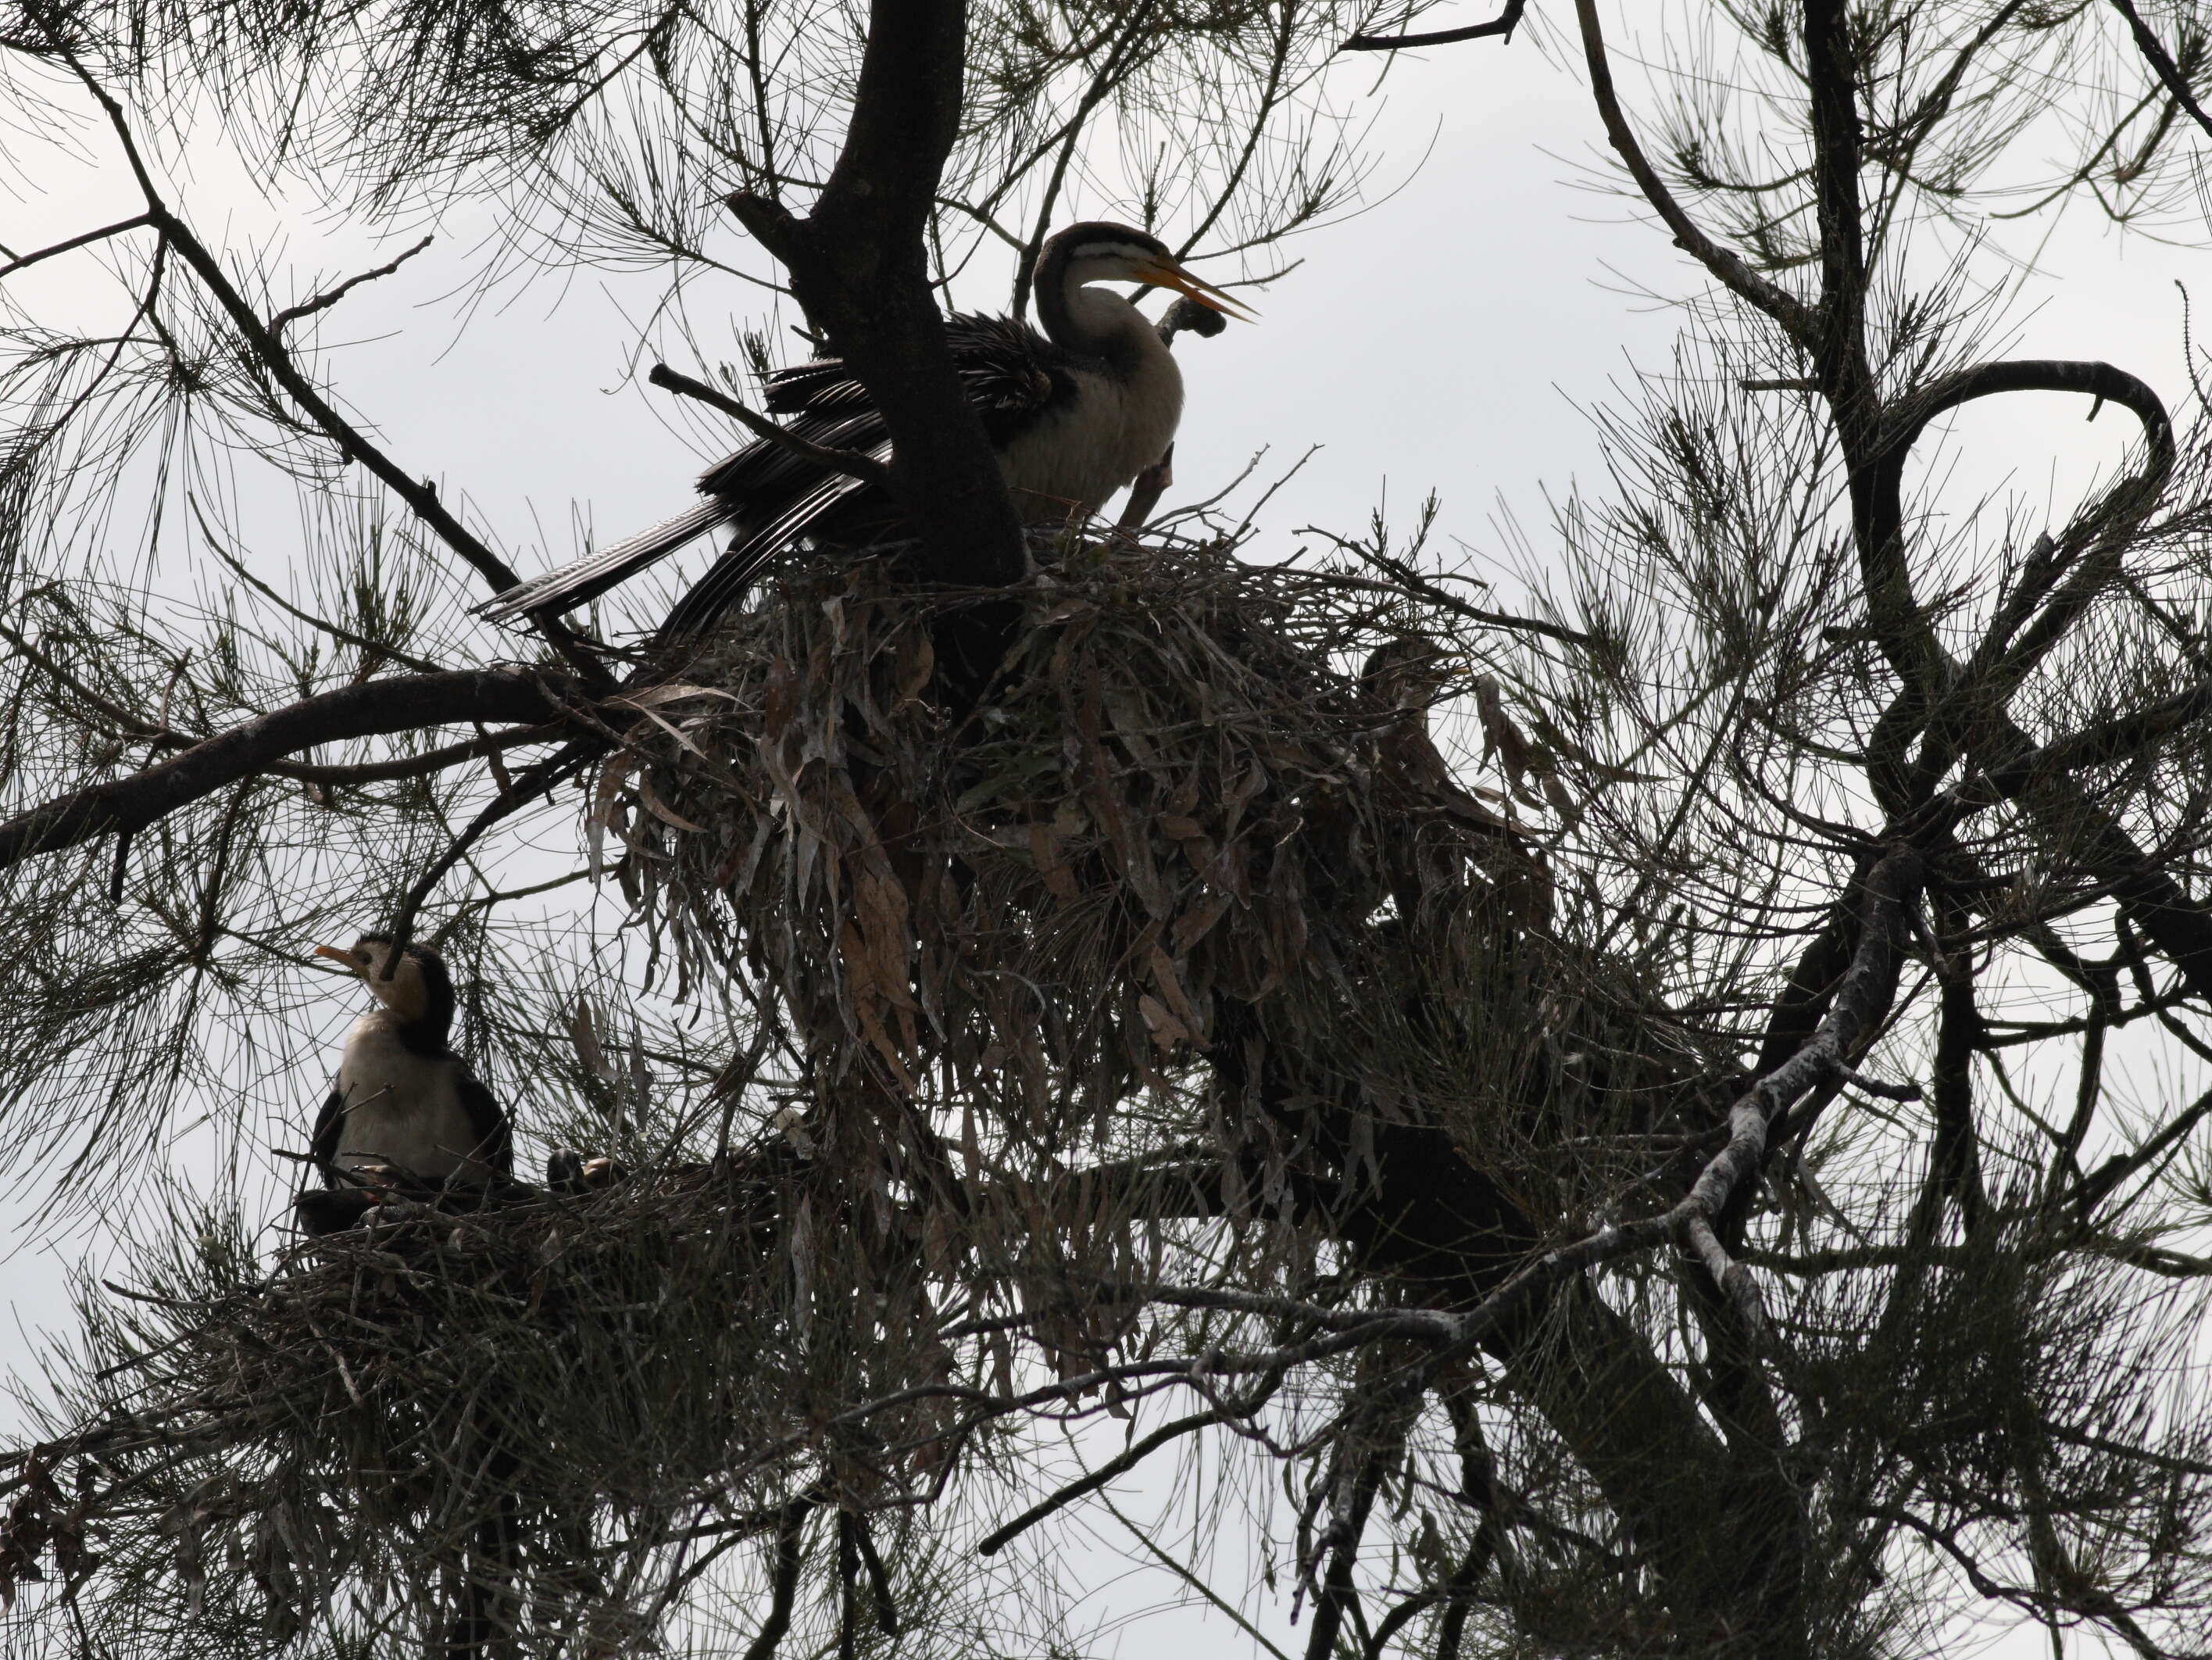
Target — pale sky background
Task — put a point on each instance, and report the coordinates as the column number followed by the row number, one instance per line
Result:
column 1450, row 339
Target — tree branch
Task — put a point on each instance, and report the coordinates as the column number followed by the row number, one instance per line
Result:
column 1954, row 1160
column 1360, row 1471
column 367, row 772
column 2092, row 1189
column 1727, row 267
column 25, row 261
column 322, row 301
column 1861, row 998
column 1831, row 94
column 859, row 265
column 1504, row 23
column 783, row 1581
column 2161, row 60
column 2043, row 778
column 999, row 1538
column 518, row 793
column 402, row 703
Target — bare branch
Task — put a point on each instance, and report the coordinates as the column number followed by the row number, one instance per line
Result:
column 1504, row 24
column 322, row 301
column 999, row 1537
column 783, row 1581
column 401, row 703
column 24, row 262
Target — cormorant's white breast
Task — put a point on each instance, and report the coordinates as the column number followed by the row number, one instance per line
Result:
column 402, row 1097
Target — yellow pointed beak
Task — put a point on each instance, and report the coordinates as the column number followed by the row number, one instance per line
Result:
column 1167, row 274
column 339, row 955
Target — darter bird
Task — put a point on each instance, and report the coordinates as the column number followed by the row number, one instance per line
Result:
column 1074, row 413
column 405, row 1112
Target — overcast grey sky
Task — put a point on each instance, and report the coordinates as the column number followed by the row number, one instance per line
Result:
column 1452, row 339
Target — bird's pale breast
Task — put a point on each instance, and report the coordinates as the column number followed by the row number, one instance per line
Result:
column 402, row 1108
column 1076, row 456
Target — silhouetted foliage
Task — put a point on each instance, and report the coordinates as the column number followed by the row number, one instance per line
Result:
column 1605, row 1121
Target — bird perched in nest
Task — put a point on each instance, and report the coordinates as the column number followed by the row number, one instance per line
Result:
column 1075, row 413
column 1404, row 679
column 405, row 1114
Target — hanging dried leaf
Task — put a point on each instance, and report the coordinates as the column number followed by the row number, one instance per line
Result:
column 1500, row 737
column 605, row 806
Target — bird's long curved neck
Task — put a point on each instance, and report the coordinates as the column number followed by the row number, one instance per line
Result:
column 1089, row 322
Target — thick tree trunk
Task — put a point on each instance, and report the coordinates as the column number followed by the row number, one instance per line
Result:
column 859, row 266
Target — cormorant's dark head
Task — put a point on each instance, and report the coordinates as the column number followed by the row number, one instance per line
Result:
column 1099, row 251
column 413, row 986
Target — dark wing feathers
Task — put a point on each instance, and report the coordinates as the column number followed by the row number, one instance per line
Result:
column 493, row 1130
column 726, row 580
column 774, row 496
column 1007, row 366
column 580, row 580
column 824, row 386
column 759, row 474
column 324, row 1143
column 1011, row 373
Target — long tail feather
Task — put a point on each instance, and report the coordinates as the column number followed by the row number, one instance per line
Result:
column 724, row 584
column 594, row 575
column 725, row 580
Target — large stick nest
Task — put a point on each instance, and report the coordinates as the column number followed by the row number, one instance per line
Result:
column 1199, row 801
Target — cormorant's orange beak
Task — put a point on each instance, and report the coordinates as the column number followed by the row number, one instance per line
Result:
column 340, row 955
column 1169, row 275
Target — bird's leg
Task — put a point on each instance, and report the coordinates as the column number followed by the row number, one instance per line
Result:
column 1146, row 490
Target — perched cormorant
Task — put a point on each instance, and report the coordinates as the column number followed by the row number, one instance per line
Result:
column 406, row 1113
column 1074, row 413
